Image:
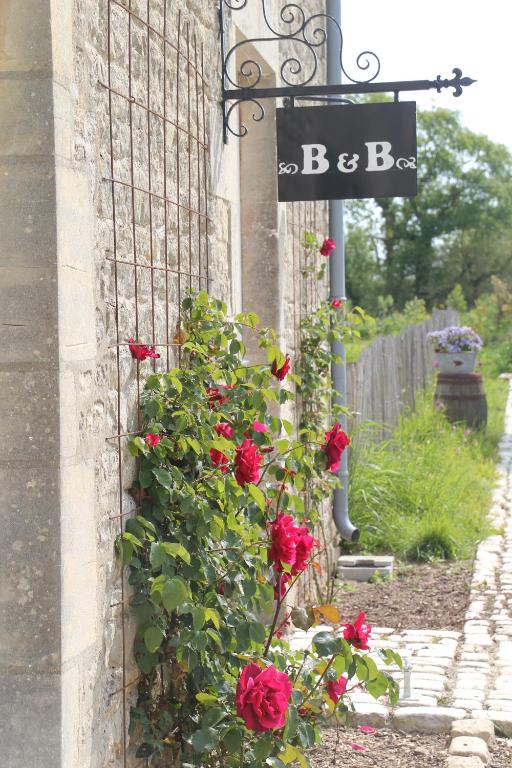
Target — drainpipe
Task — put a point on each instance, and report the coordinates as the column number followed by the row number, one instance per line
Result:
column 337, row 287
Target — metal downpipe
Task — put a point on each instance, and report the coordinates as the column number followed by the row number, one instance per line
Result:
column 337, row 287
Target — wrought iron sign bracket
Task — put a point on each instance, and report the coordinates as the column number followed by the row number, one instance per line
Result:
column 241, row 77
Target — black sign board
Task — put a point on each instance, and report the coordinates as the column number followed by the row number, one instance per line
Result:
column 347, row 151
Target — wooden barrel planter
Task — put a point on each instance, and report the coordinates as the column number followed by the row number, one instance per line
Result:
column 463, row 398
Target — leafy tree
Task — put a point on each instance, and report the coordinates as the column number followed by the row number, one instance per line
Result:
column 459, row 226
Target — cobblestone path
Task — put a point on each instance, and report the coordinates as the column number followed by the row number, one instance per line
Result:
column 456, row 675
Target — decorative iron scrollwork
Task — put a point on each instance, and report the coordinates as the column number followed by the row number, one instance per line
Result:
column 307, row 33
column 297, row 72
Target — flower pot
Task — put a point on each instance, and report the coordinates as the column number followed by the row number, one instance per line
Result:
column 455, row 362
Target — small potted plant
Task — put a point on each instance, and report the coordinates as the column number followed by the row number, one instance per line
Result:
column 455, row 349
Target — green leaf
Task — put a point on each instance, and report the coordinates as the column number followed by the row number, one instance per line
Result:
column 377, row 687
column 205, row 739
column 156, row 555
column 125, row 550
column 303, row 618
column 288, row 427
column 176, row 550
column 176, row 383
column 257, row 632
column 210, row 614
column 326, row 643
column 292, row 723
column 194, row 444
column 392, row 657
column 206, row 698
column 263, row 747
column 361, row 669
column 153, row 637
column 257, row 495
column 232, row 740
column 213, row 716
column 174, row 593
column 291, row 755
column 198, row 617
column 163, row 477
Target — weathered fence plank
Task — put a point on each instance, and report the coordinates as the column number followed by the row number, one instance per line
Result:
column 390, row 371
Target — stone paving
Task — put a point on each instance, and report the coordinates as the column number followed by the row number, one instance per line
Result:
column 457, row 675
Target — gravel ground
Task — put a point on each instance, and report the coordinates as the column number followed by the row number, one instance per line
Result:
column 394, row 749
column 419, row 596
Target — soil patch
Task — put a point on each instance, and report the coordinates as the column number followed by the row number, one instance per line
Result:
column 419, row 596
column 393, row 749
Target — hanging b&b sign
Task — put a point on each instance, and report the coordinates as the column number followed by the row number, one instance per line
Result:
column 348, row 151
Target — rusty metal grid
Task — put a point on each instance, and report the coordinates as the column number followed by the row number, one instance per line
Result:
column 156, row 94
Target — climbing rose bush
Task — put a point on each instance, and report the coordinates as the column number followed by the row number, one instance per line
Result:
column 219, row 539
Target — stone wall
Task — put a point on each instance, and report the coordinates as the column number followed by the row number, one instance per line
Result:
column 78, row 101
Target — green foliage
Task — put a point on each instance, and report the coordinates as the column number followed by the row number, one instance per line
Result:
column 457, row 229
column 424, row 492
column 456, row 298
column 433, row 539
column 197, row 555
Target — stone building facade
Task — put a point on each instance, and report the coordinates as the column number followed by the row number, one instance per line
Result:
column 117, row 197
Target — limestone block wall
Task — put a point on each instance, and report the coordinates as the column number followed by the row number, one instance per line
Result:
column 117, row 197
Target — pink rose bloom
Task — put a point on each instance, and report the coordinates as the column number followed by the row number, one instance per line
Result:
column 357, row 634
column 327, row 246
column 336, row 688
column 141, row 351
column 336, row 440
column 258, row 426
column 262, row 697
column 152, row 439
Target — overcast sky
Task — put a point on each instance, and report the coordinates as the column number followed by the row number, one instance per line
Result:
column 420, row 40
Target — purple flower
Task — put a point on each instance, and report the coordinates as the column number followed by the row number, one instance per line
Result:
column 455, row 339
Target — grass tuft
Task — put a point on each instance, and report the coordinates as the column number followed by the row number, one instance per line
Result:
column 424, row 493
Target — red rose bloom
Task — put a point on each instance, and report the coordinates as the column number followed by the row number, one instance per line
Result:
column 224, row 429
column 336, row 688
column 141, row 351
column 262, row 697
column 215, row 397
column 357, row 634
column 336, row 303
column 219, row 460
column 305, row 544
column 291, row 544
column 327, row 246
column 336, row 442
column 247, row 463
column 280, row 373
column 152, row 439
column 284, row 541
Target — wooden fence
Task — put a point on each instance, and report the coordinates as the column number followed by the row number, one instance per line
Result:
column 391, row 371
